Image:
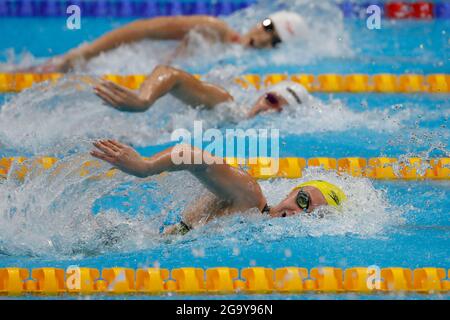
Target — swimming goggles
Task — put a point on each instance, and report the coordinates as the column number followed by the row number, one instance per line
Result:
column 273, row 100
column 182, row 228
column 303, row 200
column 266, row 209
column 269, row 27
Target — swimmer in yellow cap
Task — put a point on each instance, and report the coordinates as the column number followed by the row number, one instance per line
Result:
column 310, row 195
column 282, row 26
column 231, row 189
column 166, row 80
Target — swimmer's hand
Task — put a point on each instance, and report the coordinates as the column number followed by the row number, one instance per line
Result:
column 120, row 98
column 121, row 156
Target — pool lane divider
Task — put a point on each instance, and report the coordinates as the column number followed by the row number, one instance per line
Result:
column 331, row 82
column 423, row 10
column 382, row 168
column 222, row 280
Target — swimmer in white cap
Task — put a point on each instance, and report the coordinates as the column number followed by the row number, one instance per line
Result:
column 193, row 92
column 279, row 27
column 282, row 26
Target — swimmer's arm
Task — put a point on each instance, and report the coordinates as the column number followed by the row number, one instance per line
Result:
column 163, row 80
column 227, row 183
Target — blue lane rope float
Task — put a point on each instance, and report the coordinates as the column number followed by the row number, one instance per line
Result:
column 224, row 280
column 152, row 8
column 120, row 8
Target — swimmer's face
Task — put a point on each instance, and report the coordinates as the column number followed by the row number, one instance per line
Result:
column 289, row 207
column 271, row 101
column 259, row 38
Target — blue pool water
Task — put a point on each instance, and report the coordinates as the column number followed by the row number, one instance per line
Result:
column 69, row 220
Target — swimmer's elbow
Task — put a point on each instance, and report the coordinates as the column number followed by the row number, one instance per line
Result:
column 193, row 159
column 223, row 97
column 228, row 97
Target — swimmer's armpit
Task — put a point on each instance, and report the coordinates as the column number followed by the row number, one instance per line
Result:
column 225, row 182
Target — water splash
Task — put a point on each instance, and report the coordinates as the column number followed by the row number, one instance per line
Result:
column 14, row 60
column 42, row 117
column 417, row 140
column 52, row 212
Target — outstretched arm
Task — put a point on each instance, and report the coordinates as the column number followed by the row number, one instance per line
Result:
column 163, row 80
column 227, row 183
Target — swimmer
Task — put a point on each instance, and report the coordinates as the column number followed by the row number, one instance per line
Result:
column 193, row 92
column 282, row 26
column 232, row 190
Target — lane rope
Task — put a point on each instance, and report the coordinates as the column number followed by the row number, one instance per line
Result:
column 223, row 280
column 381, row 168
column 399, row 10
column 330, row 82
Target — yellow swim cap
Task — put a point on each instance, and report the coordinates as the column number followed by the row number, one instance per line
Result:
column 333, row 194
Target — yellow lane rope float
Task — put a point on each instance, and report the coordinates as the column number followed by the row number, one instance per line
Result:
column 337, row 83
column 223, row 280
column 266, row 168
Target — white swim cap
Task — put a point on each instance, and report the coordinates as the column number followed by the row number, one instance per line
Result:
column 289, row 25
column 293, row 92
